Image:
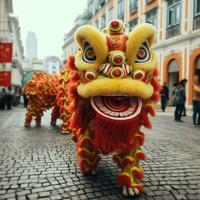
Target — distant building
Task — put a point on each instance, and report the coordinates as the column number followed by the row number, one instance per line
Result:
column 52, row 64
column 31, row 45
column 33, row 65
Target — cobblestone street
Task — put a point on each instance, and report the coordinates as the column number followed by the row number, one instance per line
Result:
column 40, row 162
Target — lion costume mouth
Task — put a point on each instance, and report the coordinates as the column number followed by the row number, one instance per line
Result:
column 117, row 107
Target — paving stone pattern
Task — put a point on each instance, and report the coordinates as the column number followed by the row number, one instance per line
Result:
column 40, row 163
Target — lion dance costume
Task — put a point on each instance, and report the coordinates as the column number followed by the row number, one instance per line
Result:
column 41, row 90
column 105, row 95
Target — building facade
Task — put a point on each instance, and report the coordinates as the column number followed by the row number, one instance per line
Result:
column 70, row 47
column 18, row 52
column 52, row 64
column 10, row 32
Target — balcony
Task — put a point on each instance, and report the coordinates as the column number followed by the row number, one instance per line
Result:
column 196, row 22
column 149, row 1
column 173, row 31
column 87, row 15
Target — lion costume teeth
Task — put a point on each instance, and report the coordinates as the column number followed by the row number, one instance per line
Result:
column 105, row 94
column 116, row 107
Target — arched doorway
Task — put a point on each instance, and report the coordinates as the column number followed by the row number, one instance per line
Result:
column 173, row 76
column 194, row 70
column 197, row 66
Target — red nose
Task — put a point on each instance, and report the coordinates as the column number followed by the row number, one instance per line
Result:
column 114, row 24
column 116, row 73
column 118, row 59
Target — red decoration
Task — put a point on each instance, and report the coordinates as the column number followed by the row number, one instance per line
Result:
column 6, row 52
column 118, row 59
column 117, row 42
column 114, row 23
column 116, row 72
column 5, row 78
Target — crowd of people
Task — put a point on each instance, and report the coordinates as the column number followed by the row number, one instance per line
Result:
column 10, row 98
column 179, row 99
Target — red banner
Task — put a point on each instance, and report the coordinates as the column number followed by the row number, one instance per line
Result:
column 6, row 52
column 5, row 78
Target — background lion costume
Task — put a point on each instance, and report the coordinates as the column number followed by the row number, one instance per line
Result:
column 105, row 95
column 41, row 91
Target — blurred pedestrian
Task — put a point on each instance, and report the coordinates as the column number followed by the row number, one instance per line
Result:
column 184, row 112
column 8, row 98
column 180, row 100
column 196, row 101
column 17, row 96
column 164, row 93
column 184, row 109
column 2, row 98
column 174, row 93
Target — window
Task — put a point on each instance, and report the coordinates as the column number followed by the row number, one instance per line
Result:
column 102, row 22
column 133, row 5
column 196, row 21
column 132, row 24
column 149, row 1
column 110, row 15
column 173, row 18
column 173, row 13
column 96, row 24
column 151, row 17
column 196, row 7
column 120, row 9
column 101, row 2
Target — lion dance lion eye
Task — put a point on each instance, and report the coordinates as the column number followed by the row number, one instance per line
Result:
column 90, row 75
column 138, row 74
column 143, row 54
column 89, row 55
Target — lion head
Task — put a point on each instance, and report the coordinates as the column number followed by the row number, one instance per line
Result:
column 117, row 75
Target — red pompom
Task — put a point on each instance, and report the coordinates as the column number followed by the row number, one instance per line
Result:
column 138, row 174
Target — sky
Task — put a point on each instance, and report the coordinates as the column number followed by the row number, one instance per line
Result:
column 49, row 19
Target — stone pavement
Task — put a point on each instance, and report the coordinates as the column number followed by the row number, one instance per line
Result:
column 40, row 163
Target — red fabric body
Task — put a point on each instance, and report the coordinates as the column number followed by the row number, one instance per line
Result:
column 111, row 135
